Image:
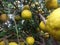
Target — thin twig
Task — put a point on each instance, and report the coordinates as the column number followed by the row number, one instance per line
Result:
column 6, row 41
column 16, row 28
column 5, row 37
column 42, row 40
column 39, row 15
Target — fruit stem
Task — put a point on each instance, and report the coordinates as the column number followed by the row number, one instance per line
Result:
column 5, row 37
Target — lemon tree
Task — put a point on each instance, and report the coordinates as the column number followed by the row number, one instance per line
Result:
column 53, row 24
column 30, row 40
column 26, row 14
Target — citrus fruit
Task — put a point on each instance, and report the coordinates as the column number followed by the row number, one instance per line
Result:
column 42, row 25
column 52, row 3
column 2, row 43
column 13, row 43
column 26, row 14
column 3, row 17
column 53, row 24
column 30, row 40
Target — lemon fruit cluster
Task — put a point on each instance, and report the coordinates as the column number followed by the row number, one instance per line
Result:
column 26, row 14
column 30, row 40
column 53, row 24
column 52, row 3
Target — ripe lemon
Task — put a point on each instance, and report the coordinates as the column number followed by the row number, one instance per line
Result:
column 4, row 17
column 13, row 43
column 53, row 24
column 26, row 14
column 42, row 26
column 30, row 40
column 52, row 3
column 2, row 43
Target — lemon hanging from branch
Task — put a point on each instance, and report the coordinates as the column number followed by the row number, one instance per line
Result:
column 4, row 17
column 52, row 3
column 2, row 43
column 42, row 25
column 30, row 40
column 26, row 14
column 53, row 24
column 13, row 43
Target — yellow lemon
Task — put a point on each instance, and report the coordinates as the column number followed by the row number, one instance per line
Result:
column 30, row 40
column 26, row 14
column 13, row 43
column 2, row 43
column 52, row 3
column 42, row 25
column 53, row 24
